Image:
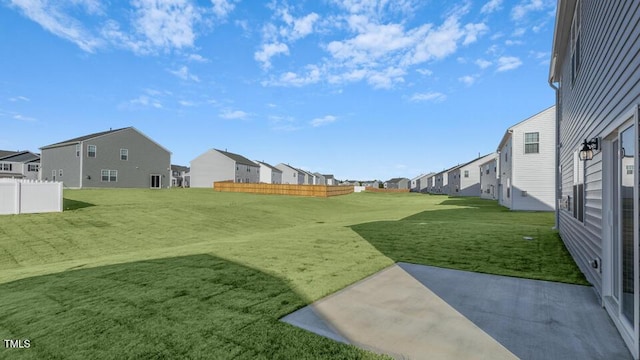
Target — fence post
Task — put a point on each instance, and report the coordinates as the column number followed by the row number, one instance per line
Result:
column 18, row 196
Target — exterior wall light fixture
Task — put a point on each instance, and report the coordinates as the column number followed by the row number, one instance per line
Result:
column 586, row 153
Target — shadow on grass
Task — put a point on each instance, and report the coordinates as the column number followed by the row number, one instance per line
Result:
column 184, row 307
column 478, row 235
column 70, row 205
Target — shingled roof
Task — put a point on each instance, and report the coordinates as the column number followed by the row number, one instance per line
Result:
column 239, row 159
column 83, row 138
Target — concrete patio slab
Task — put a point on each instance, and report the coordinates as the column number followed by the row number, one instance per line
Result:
column 423, row 312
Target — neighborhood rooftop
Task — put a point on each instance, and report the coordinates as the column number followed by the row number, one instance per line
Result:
column 83, row 138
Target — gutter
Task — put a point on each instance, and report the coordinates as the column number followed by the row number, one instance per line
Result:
column 557, row 149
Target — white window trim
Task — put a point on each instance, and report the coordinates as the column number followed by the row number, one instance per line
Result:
column 531, row 143
column 126, row 154
column 95, row 151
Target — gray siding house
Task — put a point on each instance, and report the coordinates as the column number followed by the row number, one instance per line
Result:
column 308, row 178
column 330, row 180
column 464, row 180
column 217, row 165
column 527, row 171
column 595, row 69
column 397, row 183
column 19, row 165
column 290, row 174
column 269, row 174
column 320, row 179
column 440, row 183
column 489, row 178
column 121, row 158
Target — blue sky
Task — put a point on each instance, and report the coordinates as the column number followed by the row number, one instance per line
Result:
column 361, row 89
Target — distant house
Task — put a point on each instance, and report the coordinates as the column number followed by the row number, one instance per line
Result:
column 269, row 174
column 464, row 180
column 330, row 180
column 320, row 179
column 308, row 178
column 429, row 183
column 217, row 165
column 489, row 178
column 19, row 164
column 371, row 183
column 179, row 176
column 595, row 67
column 439, row 182
column 121, row 158
column 397, row 183
column 415, row 183
column 526, row 163
column 290, row 174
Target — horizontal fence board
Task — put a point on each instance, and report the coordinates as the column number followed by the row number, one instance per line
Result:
column 283, row 189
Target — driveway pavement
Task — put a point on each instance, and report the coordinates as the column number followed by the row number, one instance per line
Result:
column 422, row 312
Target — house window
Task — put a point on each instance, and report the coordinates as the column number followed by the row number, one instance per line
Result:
column 60, row 172
column 109, row 175
column 466, row 173
column 6, row 166
column 77, row 150
column 508, row 192
column 53, row 175
column 91, row 151
column 575, row 41
column 506, row 157
column 578, row 187
column 629, row 169
column 531, row 143
column 487, row 171
column 124, row 154
column 33, row 167
column 248, row 169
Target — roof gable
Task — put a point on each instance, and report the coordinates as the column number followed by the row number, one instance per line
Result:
column 22, row 156
column 273, row 168
column 239, row 159
column 83, row 138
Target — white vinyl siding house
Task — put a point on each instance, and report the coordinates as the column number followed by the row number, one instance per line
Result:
column 489, row 178
column 526, row 162
column 217, row 165
column 595, row 68
column 269, row 174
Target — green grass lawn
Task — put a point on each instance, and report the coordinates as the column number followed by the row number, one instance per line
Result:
column 193, row 273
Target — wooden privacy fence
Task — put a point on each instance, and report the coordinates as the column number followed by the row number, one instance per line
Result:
column 283, row 189
column 372, row 189
column 29, row 196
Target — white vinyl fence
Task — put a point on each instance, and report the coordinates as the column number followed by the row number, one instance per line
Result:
column 29, row 196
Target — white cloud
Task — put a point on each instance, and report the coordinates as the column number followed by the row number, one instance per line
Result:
column 186, row 103
column 506, row 63
column 482, row 63
column 328, row 119
column 387, row 78
column 197, row 58
column 166, row 24
column 268, row 51
column 233, row 114
column 513, row 42
column 521, row 10
column 467, row 80
column 425, row 72
column 52, row 16
column 145, row 101
column 429, row 96
column 222, row 8
column 19, row 98
column 184, row 74
column 491, row 6
column 473, row 31
column 289, row 78
column 297, row 28
column 23, row 118
column 519, row 32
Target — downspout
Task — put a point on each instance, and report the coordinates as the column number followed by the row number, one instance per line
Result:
column 557, row 157
column 81, row 156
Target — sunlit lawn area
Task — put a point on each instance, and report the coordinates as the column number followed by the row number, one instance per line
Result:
column 193, row 273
